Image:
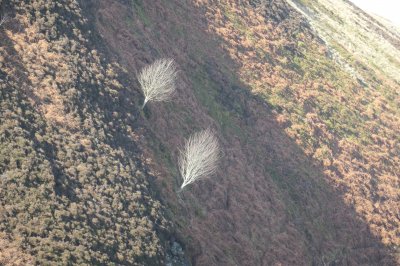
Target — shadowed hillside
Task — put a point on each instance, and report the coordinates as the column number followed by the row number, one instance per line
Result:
column 292, row 125
column 309, row 131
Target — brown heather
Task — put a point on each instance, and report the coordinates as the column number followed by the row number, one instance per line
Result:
column 72, row 188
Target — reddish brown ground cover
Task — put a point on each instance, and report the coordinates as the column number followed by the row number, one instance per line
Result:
column 310, row 172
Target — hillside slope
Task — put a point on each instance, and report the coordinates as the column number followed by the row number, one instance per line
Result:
column 309, row 129
column 73, row 187
column 310, row 173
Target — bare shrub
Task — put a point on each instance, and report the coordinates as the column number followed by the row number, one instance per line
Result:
column 158, row 80
column 199, row 157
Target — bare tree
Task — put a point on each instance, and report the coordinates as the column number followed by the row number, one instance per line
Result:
column 199, row 157
column 158, row 80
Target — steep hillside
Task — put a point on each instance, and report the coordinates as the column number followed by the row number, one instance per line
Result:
column 310, row 172
column 73, row 187
column 353, row 36
column 309, row 128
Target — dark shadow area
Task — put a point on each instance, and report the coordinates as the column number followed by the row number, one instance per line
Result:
column 269, row 203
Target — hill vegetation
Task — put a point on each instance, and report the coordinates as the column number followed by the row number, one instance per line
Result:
column 350, row 126
column 73, row 188
column 312, row 129
column 308, row 127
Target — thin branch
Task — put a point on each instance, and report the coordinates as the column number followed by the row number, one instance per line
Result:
column 3, row 20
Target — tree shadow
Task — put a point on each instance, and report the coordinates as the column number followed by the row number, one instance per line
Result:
column 270, row 203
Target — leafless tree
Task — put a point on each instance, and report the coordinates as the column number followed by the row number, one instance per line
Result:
column 199, row 158
column 158, row 80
